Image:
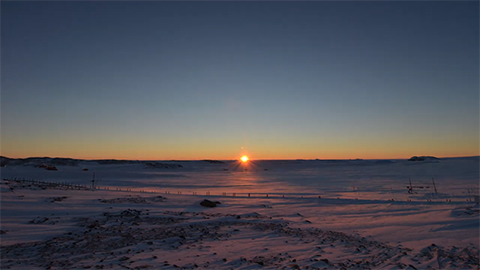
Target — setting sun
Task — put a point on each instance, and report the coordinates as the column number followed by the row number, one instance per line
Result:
column 244, row 159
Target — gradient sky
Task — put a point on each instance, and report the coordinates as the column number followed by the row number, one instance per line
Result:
column 197, row 80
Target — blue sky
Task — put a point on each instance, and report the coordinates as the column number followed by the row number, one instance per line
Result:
column 194, row 80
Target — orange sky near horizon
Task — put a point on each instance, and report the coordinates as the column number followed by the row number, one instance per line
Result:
column 145, row 150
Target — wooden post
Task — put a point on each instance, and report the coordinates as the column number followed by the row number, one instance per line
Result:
column 410, row 188
column 433, row 181
column 93, row 181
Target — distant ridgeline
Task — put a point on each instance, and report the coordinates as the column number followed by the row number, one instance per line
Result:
column 50, row 163
column 162, row 165
column 423, row 158
column 213, row 161
column 38, row 161
column 116, row 161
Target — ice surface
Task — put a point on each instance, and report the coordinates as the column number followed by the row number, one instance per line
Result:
column 274, row 214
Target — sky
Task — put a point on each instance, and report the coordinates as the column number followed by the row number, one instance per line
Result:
column 217, row 80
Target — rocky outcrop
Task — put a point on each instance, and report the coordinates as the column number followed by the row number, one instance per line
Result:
column 208, row 203
column 422, row 158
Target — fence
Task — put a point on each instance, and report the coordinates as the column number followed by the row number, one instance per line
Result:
column 48, row 184
column 70, row 186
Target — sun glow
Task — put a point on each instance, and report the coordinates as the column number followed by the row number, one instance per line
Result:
column 244, row 159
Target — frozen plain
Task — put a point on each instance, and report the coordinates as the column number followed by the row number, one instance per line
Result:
column 291, row 214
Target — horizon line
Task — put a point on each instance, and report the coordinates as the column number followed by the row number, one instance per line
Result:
column 251, row 159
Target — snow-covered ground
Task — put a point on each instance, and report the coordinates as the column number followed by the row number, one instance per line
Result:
column 302, row 214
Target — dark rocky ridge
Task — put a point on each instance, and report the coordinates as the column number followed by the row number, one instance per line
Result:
column 38, row 161
column 422, row 158
column 44, row 162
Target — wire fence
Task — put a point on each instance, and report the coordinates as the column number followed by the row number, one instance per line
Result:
column 472, row 192
column 48, row 184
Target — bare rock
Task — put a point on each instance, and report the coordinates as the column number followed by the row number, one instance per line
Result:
column 208, row 203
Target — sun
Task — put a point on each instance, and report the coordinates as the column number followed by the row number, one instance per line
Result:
column 244, row 159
